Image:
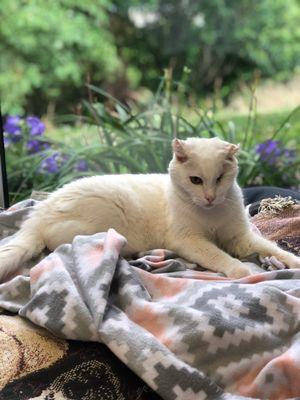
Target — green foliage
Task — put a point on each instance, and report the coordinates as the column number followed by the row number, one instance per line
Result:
column 219, row 41
column 34, row 160
column 48, row 50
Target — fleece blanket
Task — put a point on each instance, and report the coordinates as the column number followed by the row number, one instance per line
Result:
column 188, row 334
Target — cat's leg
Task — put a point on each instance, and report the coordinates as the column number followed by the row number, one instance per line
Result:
column 251, row 242
column 208, row 255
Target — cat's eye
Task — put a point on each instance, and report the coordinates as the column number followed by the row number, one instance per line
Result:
column 196, row 180
column 220, row 178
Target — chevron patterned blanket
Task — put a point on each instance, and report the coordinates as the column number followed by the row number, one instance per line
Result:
column 189, row 334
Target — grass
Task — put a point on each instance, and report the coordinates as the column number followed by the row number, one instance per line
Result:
column 265, row 126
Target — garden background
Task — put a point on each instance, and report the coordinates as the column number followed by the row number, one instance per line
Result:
column 101, row 86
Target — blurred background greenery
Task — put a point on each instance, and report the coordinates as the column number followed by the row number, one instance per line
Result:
column 114, row 80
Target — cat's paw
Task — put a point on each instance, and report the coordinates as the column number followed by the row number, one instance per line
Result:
column 288, row 259
column 240, row 270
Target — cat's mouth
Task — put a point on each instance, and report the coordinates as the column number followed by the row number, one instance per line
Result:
column 209, row 205
column 206, row 206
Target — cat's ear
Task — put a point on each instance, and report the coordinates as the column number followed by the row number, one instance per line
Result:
column 232, row 149
column 179, row 150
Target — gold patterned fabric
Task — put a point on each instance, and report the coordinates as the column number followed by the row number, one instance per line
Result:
column 26, row 348
column 283, row 227
column 36, row 365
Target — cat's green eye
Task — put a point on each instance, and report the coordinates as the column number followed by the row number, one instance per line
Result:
column 220, row 178
column 196, row 180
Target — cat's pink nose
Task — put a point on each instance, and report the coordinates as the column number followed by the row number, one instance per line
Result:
column 210, row 199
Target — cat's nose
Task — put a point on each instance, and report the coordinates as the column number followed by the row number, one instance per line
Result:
column 210, row 198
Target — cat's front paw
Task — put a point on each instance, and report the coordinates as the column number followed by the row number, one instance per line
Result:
column 288, row 259
column 240, row 270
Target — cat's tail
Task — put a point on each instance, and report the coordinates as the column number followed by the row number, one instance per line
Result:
column 24, row 245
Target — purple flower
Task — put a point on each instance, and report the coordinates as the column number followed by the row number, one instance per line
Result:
column 50, row 164
column 81, row 166
column 53, row 163
column 35, row 125
column 35, row 146
column 12, row 127
column 269, row 151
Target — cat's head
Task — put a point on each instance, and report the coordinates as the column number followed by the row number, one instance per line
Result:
column 204, row 169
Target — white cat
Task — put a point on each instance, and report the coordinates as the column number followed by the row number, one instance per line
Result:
column 197, row 211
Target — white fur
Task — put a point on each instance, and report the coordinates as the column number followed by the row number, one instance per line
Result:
column 155, row 211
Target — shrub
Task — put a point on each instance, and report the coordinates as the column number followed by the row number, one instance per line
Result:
column 50, row 49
